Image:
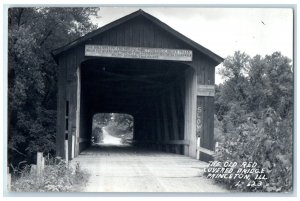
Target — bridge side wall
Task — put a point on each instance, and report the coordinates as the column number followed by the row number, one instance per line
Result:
column 205, row 105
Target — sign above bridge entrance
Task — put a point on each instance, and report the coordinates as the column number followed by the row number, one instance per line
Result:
column 138, row 52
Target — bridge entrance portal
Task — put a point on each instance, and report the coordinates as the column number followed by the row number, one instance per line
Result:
column 140, row 66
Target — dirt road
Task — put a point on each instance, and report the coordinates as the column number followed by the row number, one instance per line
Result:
column 109, row 139
column 123, row 168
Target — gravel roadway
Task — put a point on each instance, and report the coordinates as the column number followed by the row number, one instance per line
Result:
column 123, row 168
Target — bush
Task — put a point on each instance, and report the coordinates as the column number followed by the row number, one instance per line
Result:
column 254, row 107
column 57, row 177
column 266, row 141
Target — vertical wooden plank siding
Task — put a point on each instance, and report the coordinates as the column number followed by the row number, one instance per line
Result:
column 187, row 110
column 205, row 76
column 193, row 139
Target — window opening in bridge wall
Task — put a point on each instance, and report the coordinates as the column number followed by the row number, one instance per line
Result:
column 67, row 108
column 112, row 128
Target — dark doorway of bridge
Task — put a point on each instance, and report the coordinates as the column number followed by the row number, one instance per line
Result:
column 112, row 129
column 155, row 92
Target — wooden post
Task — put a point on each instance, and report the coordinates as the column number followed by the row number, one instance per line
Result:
column 190, row 112
column 66, row 151
column 216, row 146
column 198, row 148
column 8, row 180
column 40, row 163
column 73, row 146
column 78, row 94
column 202, row 149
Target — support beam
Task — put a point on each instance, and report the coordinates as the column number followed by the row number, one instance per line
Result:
column 175, row 122
column 190, row 112
column 78, row 94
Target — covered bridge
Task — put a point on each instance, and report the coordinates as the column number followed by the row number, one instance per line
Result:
column 140, row 66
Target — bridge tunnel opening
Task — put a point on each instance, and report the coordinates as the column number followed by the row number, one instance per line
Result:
column 152, row 91
column 112, row 129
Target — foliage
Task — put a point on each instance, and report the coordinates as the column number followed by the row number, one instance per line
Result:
column 254, row 118
column 121, row 125
column 122, row 121
column 117, row 124
column 32, row 34
column 97, row 134
column 56, row 177
column 101, row 119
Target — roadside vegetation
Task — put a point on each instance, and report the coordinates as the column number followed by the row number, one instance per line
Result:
column 56, row 177
column 33, row 32
column 254, row 118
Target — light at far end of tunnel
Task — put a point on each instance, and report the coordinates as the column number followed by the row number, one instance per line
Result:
column 109, row 139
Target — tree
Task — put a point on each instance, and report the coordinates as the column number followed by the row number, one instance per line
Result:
column 32, row 34
column 123, row 121
column 232, row 94
column 255, row 84
column 254, row 106
column 279, row 83
column 102, row 119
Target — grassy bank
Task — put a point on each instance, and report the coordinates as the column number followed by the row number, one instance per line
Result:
column 56, row 177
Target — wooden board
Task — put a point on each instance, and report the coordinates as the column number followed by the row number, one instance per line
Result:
column 138, row 52
column 206, row 90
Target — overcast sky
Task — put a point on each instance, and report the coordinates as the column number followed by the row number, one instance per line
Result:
column 223, row 30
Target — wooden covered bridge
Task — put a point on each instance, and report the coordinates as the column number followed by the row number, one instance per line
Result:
column 140, row 66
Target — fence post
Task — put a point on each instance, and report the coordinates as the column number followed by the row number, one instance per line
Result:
column 8, row 180
column 40, row 163
column 66, row 151
column 198, row 148
column 216, row 146
column 73, row 146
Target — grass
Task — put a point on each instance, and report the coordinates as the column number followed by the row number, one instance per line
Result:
column 56, row 177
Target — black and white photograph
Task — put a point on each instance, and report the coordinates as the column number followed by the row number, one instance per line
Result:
column 150, row 99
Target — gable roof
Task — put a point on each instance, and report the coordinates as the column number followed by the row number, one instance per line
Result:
column 135, row 14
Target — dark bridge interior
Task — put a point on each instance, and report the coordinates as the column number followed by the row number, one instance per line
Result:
column 151, row 91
